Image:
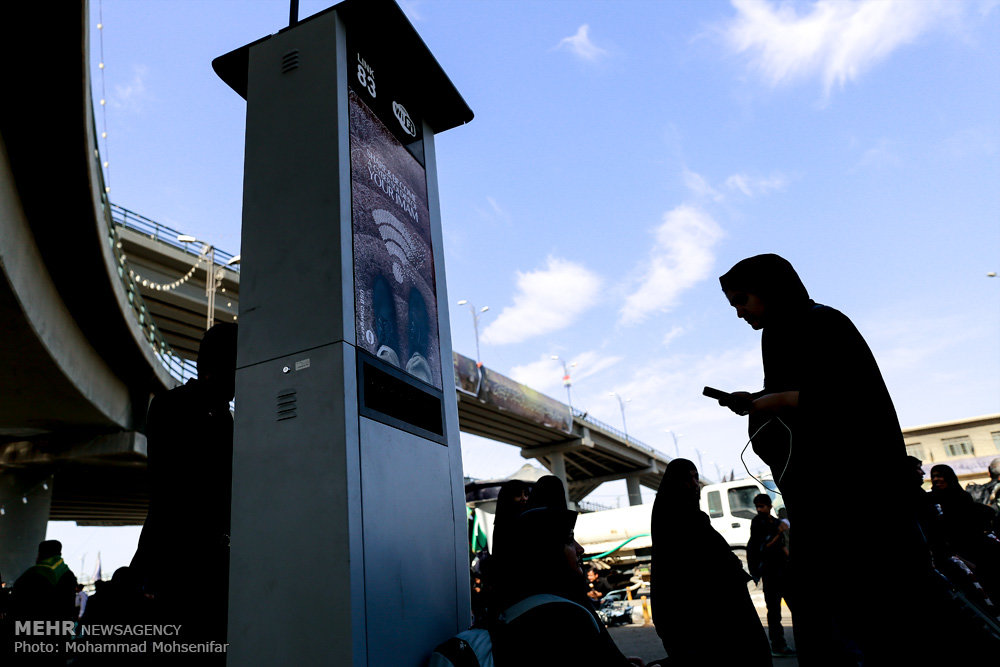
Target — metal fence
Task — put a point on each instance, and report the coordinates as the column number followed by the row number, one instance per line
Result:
column 585, row 416
column 165, row 234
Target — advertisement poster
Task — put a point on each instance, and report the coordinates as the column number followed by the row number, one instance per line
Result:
column 394, row 293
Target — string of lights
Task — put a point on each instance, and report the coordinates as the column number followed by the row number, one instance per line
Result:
column 44, row 486
column 152, row 284
column 104, row 106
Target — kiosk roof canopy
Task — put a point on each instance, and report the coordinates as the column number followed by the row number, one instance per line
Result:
column 441, row 104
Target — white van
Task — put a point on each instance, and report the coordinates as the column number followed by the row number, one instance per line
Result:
column 622, row 531
column 730, row 506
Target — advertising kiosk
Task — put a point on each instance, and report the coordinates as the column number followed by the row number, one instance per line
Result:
column 349, row 539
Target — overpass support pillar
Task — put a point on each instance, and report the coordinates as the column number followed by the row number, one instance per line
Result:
column 634, row 494
column 24, row 524
column 558, row 462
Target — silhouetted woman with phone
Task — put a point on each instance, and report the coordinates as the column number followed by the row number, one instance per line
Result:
column 823, row 421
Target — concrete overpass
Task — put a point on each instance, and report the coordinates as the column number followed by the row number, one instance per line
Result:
column 80, row 354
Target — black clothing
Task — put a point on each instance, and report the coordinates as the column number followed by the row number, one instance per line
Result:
column 44, row 592
column 534, row 561
column 558, row 633
column 698, row 589
column 769, row 563
column 761, row 558
column 986, row 494
column 844, row 410
column 183, row 551
column 601, row 586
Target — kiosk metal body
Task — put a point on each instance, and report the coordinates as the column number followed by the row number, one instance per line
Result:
column 349, row 538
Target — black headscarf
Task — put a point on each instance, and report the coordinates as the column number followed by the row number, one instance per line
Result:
column 949, row 475
column 672, row 491
column 507, row 510
column 771, row 278
column 533, row 560
column 548, row 492
column 695, row 575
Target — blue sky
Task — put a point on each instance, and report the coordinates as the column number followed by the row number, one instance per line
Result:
column 624, row 155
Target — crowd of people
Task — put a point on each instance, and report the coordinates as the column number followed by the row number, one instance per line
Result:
column 874, row 568
column 906, row 564
column 180, row 525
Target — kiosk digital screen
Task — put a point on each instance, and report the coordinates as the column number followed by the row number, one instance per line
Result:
column 394, row 290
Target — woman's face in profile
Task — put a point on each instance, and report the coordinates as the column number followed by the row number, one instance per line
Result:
column 748, row 307
column 574, row 555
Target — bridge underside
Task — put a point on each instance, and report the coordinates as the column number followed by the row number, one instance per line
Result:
column 584, row 453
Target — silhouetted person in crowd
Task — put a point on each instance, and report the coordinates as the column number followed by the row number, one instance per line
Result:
column 186, row 534
column 701, row 606
column 597, row 586
column 80, row 601
column 511, row 501
column 767, row 560
column 116, row 602
column 928, row 515
column 543, row 558
column 549, row 492
column 988, row 493
column 823, row 392
column 966, row 526
column 46, row 591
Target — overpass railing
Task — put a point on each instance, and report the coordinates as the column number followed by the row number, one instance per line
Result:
column 180, row 369
column 584, row 416
column 163, row 233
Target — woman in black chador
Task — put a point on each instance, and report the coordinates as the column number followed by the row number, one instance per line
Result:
column 701, row 606
column 543, row 617
column 857, row 550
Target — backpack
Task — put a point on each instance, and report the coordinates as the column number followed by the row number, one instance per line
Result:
column 474, row 648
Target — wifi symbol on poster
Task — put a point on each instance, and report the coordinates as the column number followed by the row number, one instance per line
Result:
column 398, row 242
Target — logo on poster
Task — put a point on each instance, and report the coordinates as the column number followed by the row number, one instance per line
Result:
column 404, row 118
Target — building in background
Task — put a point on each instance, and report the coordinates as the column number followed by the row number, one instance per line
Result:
column 967, row 445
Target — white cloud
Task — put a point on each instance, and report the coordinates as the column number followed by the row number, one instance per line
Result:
column 836, row 40
column 580, row 44
column 591, row 363
column 697, row 184
column 542, row 375
column 751, row 186
column 671, row 335
column 547, row 300
column 133, row 94
column 680, row 257
column 493, row 212
column 665, row 394
column 880, row 156
column 546, row 374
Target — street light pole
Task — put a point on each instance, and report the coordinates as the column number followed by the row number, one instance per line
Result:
column 213, row 276
column 621, row 405
column 475, row 325
column 567, row 382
